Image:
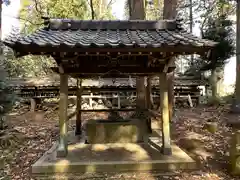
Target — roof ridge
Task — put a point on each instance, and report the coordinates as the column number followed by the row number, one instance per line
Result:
column 71, row 24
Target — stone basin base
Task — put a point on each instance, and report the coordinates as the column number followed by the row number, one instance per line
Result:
column 106, row 131
column 117, row 157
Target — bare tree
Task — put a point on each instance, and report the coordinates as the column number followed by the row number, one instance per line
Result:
column 92, row 9
column 236, row 103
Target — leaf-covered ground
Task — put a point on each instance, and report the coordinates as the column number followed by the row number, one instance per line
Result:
column 33, row 133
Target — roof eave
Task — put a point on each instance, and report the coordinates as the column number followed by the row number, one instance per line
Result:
column 22, row 50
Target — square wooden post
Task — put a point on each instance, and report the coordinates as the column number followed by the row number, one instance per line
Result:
column 141, row 93
column 33, row 104
column 166, row 140
column 149, row 93
column 171, row 102
column 35, row 101
column 149, row 102
column 63, row 104
column 78, row 130
column 141, row 105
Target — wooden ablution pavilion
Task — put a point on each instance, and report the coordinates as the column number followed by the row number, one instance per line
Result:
column 88, row 49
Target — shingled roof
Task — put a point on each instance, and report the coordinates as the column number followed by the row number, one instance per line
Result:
column 72, row 34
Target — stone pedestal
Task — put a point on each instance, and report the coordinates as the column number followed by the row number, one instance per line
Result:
column 110, row 158
column 235, row 153
column 235, row 148
column 106, row 131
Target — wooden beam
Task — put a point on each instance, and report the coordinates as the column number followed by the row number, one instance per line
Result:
column 166, row 140
column 51, row 50
column 72, row 56
column 136, row 11
column 88, row 69
column 110, row 110
column 79, row 107
column 63, row 104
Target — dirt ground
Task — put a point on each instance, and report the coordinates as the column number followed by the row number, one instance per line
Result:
column 31, row 134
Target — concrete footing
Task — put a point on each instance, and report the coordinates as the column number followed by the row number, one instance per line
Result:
column 116, row 157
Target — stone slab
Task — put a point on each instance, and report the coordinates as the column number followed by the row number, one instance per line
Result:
column 102, row 131
column 116, row 157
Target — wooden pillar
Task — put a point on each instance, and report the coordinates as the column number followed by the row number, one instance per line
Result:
column 33, row 104
column 119, row 100
column 141, row 93
column 166, row 140
column 63, row 104
column 91, row 101
column 171, row 102
column 149, row 93
column 140, row 106
column 79, row 107
column 137, row 12
column 149, row 102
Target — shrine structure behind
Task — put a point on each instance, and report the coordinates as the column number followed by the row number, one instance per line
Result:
column 87, row 49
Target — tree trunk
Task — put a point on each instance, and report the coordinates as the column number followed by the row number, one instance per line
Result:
column 169, row 12
column 191, row 23
column 2, row 71
column 136, row 10
column 92, row 10
column 214, row 80
column 102, row 8
column 236, row 103
column 1, row 19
